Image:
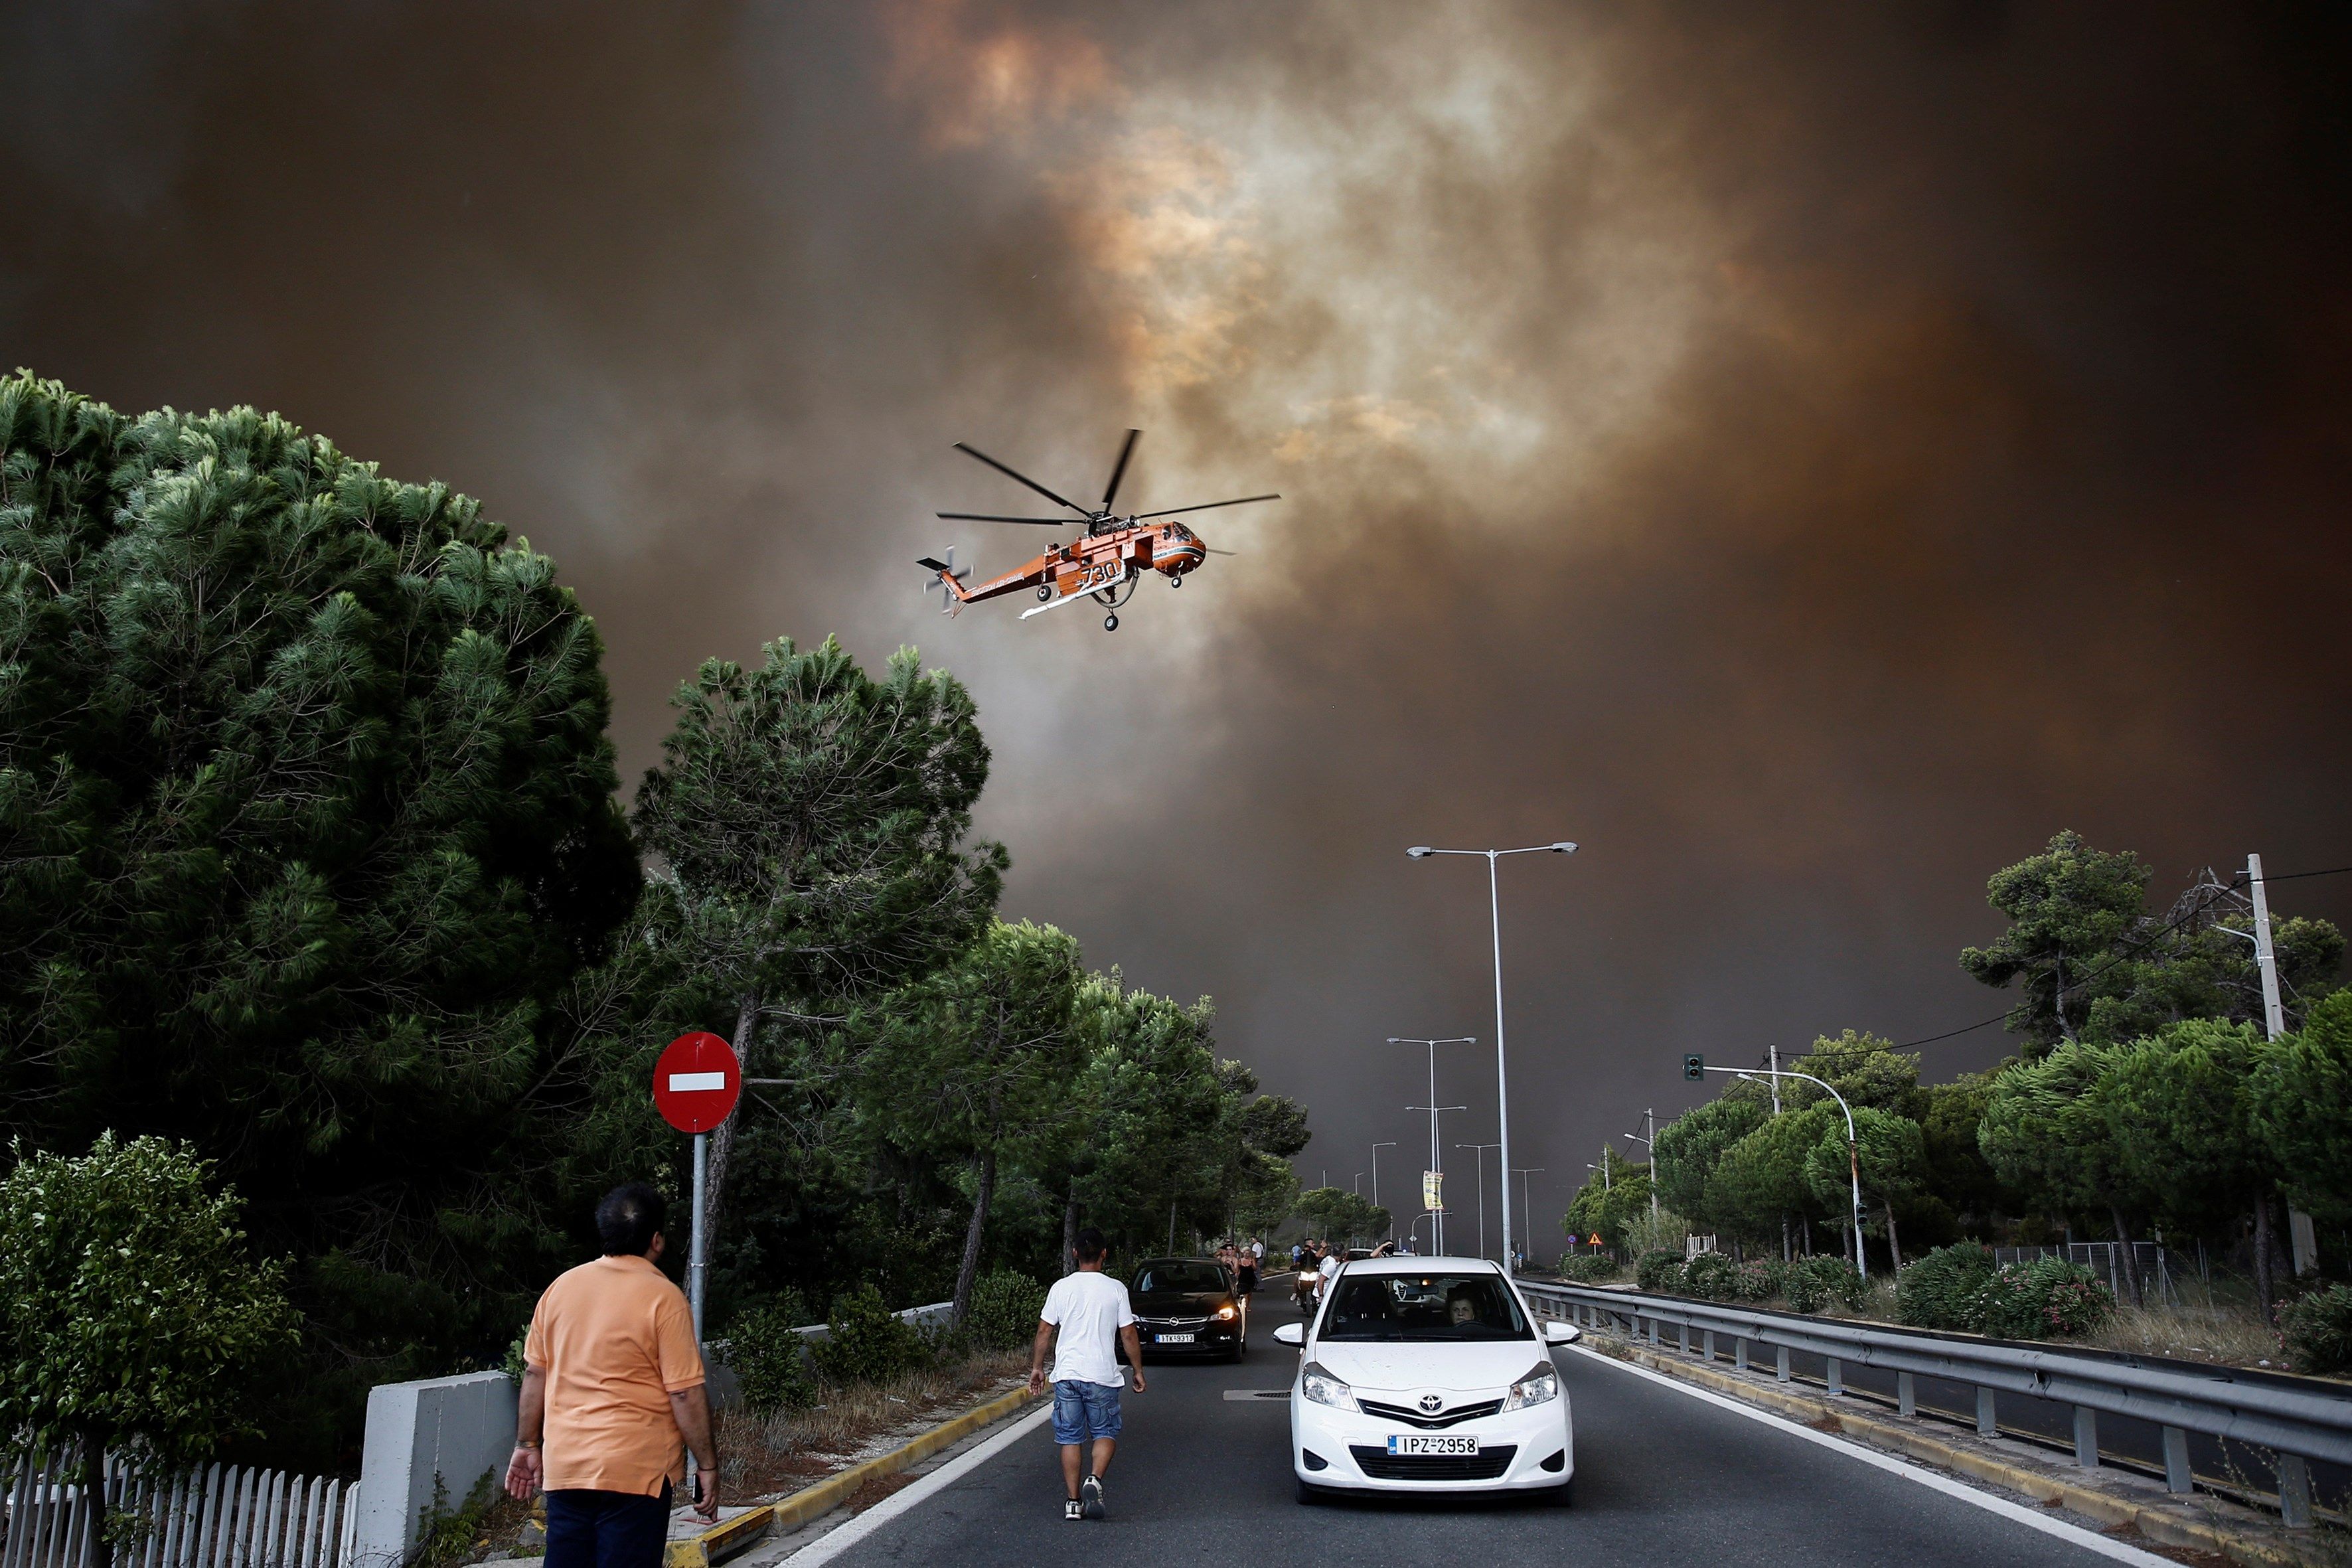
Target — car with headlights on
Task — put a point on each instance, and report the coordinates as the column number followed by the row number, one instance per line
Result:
column 1187, row 1306
column 1428, row 1375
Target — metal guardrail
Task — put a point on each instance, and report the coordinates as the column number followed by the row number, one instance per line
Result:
column 2297, row 1424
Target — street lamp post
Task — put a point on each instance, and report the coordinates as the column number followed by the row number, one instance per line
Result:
column 1502, row 1087
column 1482, row 1148
column 1437, row 1214
column 1437, row 1233
column 1852, row 1155
column 1526, row 1204
column 1376, row 1181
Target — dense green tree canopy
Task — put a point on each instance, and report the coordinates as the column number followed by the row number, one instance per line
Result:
column 306, row 820
column 2302, row 1106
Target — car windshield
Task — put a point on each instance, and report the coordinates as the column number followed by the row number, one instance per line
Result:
column 1189, row 1277
column 1434, row 1308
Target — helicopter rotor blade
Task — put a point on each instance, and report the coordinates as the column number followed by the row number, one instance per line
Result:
column 991, row 517
column 1221, row 552
column 1017, row 475
column 1205, row 506
column 1118, row 469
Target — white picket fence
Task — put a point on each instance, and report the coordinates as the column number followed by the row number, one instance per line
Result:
column 220, row 1517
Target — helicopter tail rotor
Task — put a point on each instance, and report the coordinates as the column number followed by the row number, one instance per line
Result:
column 945, row 578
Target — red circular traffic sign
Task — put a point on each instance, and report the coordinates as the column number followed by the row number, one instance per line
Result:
column 698, row 1081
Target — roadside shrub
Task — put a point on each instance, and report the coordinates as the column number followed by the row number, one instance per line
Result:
column 1946, row 1290
column 1659, row 1270
column 1004, row 1308
column 1814, row 1283
column 866, row 1343
column 2046, row 1296
column 771, row 1360
column 1712, row 1276
column 1758, row 1279
column 1591, row 1269
column 2318, row 1331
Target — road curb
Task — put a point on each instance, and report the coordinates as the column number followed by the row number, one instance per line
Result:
column 812, row 1503
column 2192, row 1527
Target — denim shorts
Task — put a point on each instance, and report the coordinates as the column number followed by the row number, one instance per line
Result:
column 1083, row 1410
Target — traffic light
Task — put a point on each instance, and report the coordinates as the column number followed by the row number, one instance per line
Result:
column 1695, row 1067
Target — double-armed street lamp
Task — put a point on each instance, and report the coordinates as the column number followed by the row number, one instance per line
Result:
column 1435, row 1163
column 1502, row 1089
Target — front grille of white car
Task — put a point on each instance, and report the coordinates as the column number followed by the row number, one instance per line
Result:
column 1455, row 1416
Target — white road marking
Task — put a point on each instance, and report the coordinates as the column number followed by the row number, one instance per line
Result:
column 2090, row 1541
column 825, row 1548
column 1238, row 1393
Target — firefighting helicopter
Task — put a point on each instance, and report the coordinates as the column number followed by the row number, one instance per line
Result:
column 1106, row 562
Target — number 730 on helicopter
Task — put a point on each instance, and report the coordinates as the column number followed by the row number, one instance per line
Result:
column 1110, row 555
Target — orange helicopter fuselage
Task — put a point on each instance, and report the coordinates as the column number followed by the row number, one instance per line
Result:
column 1095, row 562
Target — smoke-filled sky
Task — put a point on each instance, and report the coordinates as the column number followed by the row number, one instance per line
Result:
column 1807, row 455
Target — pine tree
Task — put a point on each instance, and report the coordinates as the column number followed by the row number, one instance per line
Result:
column 305, row 816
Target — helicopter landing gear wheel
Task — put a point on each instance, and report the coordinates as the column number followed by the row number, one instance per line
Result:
column 1110, row 623
column 1043, row 591
column 1177, row 581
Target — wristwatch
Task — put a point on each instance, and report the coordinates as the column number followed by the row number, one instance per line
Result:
column 526, row 1442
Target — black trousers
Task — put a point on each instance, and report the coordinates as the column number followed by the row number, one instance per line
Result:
column 606, row 1529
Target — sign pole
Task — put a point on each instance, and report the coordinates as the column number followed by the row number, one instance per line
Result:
column 698, row 1257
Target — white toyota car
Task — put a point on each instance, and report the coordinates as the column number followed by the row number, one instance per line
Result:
column 1428, row 1375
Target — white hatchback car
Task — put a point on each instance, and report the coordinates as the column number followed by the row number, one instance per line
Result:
column 1428, row 1375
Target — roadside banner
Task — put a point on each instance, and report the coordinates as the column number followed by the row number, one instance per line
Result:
column 1433, row 1189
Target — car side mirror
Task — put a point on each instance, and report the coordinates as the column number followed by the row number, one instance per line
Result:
column 1290, row 1333
column 1555, row 1333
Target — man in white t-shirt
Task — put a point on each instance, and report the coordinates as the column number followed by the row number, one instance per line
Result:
column 1333, row 1261
column 1089, row 1310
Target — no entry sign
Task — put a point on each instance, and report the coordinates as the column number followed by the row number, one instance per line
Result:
column 698, row 1081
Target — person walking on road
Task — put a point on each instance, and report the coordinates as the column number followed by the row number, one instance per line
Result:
column 1087, row 1317
column 613, row 1397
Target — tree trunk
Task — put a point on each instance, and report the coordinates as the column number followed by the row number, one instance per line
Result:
column 722, row 1137
column 1787, row 1255
column 2131, row 1258
column 1806, row 1221
column 2263, row 1245
column 92, row 1501
column 969, row 1267
column 1070, row 1227
column 1893, row 1242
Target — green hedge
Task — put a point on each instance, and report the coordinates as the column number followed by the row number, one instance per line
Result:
column 1947, row 1289
column 1659, row 1271
column 2318, row 1331
column 1813, row 1283
column 1591, row 1269
column 867, row 1344
column 1004, row 1308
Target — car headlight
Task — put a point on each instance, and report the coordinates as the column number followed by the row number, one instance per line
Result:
column 1226, row 1311
column 1321, row 1387
column 1540, row 1385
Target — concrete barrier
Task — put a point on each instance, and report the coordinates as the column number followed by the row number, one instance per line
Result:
column 452, row 1430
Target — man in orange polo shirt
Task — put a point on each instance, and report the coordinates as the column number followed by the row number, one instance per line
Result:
column 613, row 1388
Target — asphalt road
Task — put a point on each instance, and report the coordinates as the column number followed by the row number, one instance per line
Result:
column 1661, row 1477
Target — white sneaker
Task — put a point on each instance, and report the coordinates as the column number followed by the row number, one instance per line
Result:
column 1072, row 1512
column 1091, row 1490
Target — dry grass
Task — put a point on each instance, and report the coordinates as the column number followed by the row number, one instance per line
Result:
column 768, row 1458
column 2222, row 1335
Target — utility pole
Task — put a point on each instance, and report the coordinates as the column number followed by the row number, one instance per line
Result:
column 2304, row 1245
column 1775, row 1049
